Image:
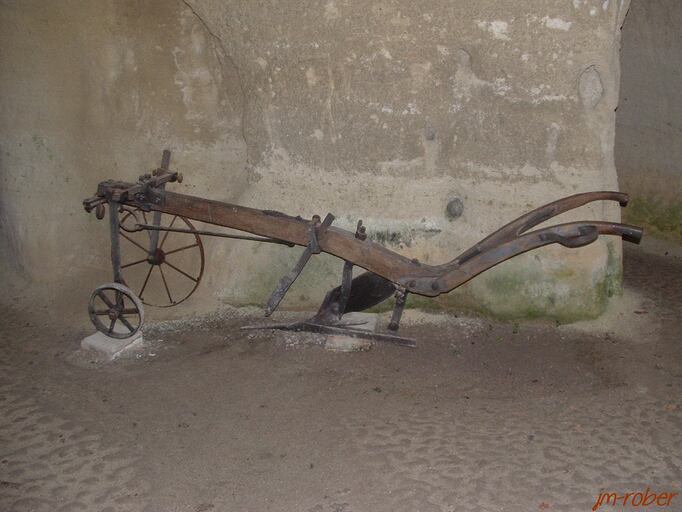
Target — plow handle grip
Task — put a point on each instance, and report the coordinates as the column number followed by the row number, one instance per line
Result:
column 632, row 234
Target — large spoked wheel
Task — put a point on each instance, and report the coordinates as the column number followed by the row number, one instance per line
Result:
column 172, row 273
column 116, row 311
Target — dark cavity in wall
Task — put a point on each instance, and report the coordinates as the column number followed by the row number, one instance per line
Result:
column 648, row 146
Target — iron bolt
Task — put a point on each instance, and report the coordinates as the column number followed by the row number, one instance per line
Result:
column 360, row 231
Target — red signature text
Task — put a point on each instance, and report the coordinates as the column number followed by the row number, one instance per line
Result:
column 635, row 499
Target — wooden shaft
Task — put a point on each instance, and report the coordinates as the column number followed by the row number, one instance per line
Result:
column 533, row 240
column 338, row 242
column 415, row 277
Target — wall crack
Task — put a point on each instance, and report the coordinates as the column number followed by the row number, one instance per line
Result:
column 232, row 63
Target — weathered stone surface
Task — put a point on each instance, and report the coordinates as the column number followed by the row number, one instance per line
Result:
column 381, row 111
column 649, row 117
column 590, row 87
column 108, row 347
column 342, row 343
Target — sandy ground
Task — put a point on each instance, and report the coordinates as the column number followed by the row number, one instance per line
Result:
column 481, row 416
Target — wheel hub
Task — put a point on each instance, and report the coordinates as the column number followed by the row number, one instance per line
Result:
column 114, row 296
column 157, row 258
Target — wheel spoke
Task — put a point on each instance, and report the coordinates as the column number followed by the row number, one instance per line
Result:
column 101, row 312
column 167, row 232
column 180, row 271
column 165, row 284
column 126, row 323
column 181, row 249
column 133, row 242
column 104, row 298
column 144, row 216
column 146, row 279
column 130, row 311
column 134, row 263
column 111, row 326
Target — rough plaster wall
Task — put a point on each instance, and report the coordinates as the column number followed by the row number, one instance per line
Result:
column 649, row 118
column 92, row 90
column 380, row 111
column 385, row 111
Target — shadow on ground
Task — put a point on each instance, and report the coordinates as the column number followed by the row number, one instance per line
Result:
column 481, row 416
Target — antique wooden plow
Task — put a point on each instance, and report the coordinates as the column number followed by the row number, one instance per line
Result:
column 148, row 210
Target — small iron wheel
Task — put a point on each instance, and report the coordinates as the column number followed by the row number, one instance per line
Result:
column 116, row 311
column 169, row 275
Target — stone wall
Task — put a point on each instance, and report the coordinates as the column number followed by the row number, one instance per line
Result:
column 649, row 118
column 382, row 111
column 95, row 90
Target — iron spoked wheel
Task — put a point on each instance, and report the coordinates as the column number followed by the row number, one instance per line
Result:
column 170, row 275
column 116, row 311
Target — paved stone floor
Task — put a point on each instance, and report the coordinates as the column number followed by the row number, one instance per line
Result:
column 482, row 416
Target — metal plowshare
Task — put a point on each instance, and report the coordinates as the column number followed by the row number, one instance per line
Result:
column 135, row 208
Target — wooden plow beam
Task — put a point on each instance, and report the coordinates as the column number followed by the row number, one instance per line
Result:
column 388, row 273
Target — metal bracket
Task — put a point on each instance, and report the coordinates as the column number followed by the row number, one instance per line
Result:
column 398, row 308
column 114, row 223
column 312, row 326
column 149, row 197
column 316, row 233
column 360, row 231
column 313, row 232
column 151, row 227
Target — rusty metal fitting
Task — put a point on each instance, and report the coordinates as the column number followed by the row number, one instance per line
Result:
column 360, row 231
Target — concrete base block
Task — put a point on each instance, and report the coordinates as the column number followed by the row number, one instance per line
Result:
column 343, row 343
column 110, row 347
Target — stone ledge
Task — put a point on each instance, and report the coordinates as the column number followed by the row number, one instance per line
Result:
column 108, row 347
column 344, row 343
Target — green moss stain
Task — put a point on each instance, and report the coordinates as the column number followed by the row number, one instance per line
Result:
column 391, row 238
column 612, row 282
column 506, row 283
column 532, row 286
column 321, row 274
column 40, row 145
column 524, row 288
column 659, row 218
